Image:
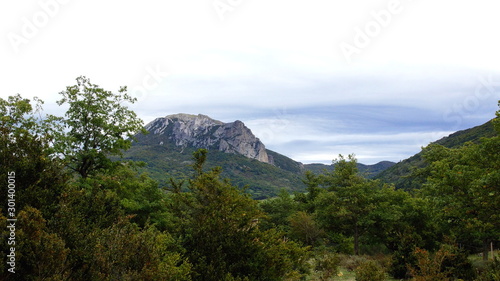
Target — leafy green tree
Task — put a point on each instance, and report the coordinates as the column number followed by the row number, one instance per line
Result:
column 351, row 199
column 464, row 184
column 26, row 155
column 344, row 174
column 41, row 254
column 221, row 235
column 125, row 252
column 98, row 125
column 139, row 195
column 314, row 187
column 410, row 223
column 85, row 207
column 305, row 229
column 278, row 211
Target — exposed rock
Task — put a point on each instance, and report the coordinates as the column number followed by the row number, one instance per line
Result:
column 201, row 131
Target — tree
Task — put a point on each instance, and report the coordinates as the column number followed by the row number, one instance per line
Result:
column 278, row 210
column 125, row 252
column 313, row 189
column 139, row 195
column 220, row 229
column 98, row 125
column 345, row 174
column 26, row 155
column 305, row 229
column 464, row 183
column 85, row 206
column 346, row 208
column 40, row 254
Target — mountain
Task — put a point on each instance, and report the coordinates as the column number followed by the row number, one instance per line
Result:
column 201, row 131
column 369, row 171
column 400, row 174
column 167, row 151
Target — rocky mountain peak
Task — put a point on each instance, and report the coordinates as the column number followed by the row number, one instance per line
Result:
column 201, row 131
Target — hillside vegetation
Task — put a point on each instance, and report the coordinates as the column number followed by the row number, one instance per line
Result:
column 164, row 160
column 262, row 180
column 405, row 175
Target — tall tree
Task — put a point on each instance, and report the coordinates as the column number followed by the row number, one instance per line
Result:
column 26, row 155
column 351, row 199
column 221, row 235
column 465, row 184
column 99, row 125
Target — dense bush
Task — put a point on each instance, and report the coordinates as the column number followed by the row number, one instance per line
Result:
column 491, row 272
column 326, row 264
column 370, row 270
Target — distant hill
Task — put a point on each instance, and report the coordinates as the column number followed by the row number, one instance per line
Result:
column 167, row 151
column 369, row 171
column 400, row 174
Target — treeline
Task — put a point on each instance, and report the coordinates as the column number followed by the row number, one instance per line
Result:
column 71, row 213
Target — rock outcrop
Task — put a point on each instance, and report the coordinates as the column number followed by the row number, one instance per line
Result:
column 201, row 131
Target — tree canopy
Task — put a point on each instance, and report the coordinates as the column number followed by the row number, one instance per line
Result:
column 98, row 125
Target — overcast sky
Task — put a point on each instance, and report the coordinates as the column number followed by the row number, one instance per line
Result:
column 312, row 79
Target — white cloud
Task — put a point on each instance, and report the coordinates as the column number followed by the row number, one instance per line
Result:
column 270, row 63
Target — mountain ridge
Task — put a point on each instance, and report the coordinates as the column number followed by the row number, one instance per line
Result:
column 245, row 160
column 167, row 151
column 201, row 131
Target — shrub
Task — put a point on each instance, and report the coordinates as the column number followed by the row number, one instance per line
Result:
column 327, row 265
column 352, row 262
column 370, row 271
column 492, row 272
column 459, row 265
column 429, row 267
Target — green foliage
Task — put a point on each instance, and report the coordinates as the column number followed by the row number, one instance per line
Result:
column 491, row 272
column 463, row 183
column 41, row 255
column 327, row 265
column 405, row 175
column 84, row 207
column 26, row 155
column 139, row 196
column 124, row 252
column 305, row 229
column 98, row 125
column 348, row 206
column 260, row 180
column 221, row 233
column 278, row 210
column 314, row 188
column 370, row 270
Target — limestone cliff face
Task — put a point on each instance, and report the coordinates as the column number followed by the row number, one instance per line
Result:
column 201, row 131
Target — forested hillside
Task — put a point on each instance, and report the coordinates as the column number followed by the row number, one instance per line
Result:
column 263, row 180
column 405, row 173
column 72, row 211
column 164, row 159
